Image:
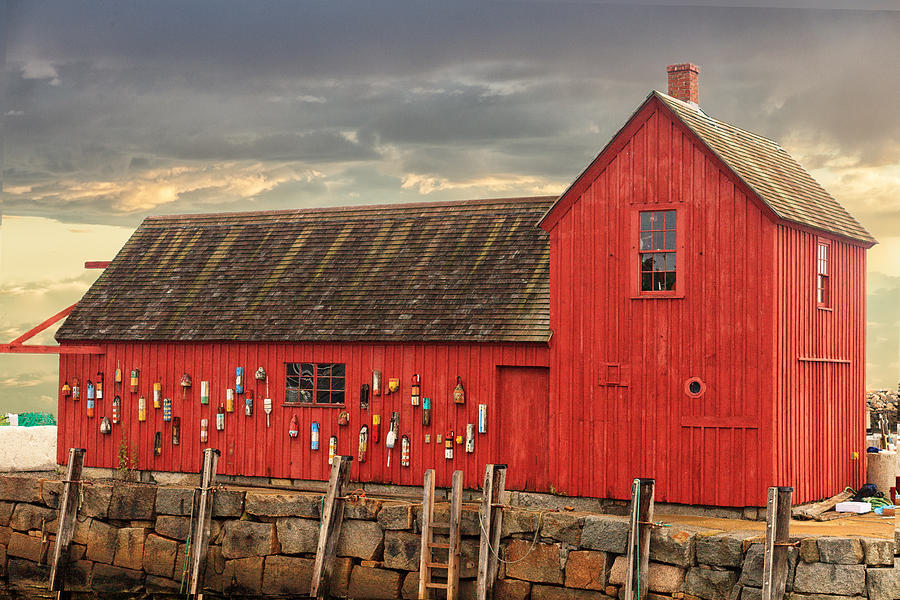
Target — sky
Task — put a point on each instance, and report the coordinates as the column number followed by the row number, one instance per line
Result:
column 112, row 111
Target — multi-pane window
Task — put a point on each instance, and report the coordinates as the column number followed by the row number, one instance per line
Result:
column 657, row 250
column 823, row 291
column 318, row 383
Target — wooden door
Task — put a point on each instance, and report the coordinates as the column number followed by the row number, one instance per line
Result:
column 524, row 418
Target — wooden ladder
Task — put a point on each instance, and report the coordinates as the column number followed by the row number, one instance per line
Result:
column 428, row 564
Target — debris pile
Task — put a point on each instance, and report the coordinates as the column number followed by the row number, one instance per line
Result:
column 883, row 408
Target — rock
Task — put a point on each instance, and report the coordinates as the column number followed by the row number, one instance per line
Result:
column 468, row 518
column 131, row 501
column 110, row 579
column 673, row 545
column 840, row 551
column 161, row 585
column 538, row 564
column 3, row 560
column 178, row 528
column 19, row 488
column 361, row 539
column 6, row 511
column 50, row 492
column 364, row 509
column 618, row 571
column 25, row 546
column 663, row 578
column 710, row 584
column 511, row 589
column 242, row 539
column 751, row 593
column 395, row 516
column 549, row 592
column 227, row 503
column 214, row 574
column 174, row 501
column 297, row 535
column 97, row 497
column 130, row 548
column 587, row 569
column 721, row 550
column 825, row 578
column 402, row 550
column 340, row 576
column 78, row 576
column 878, row 553
column 563, row 527
column 243, row 576
column 809, row 550
column 516, row 520
column 883, row 584
column 373, row 583
column 752, row 569
column 101, row 541
column 28, row 516
column 287, row 575
column 283, row 505
column 409, row 590
column 605, row 533
column 27, row 574
column 159, row 555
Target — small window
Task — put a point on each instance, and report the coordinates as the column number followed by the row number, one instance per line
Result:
column 314, row 383
column 657, row 250
column 823, row 288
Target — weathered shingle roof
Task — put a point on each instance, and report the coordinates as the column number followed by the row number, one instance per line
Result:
column 771, row 172
column 453, row 271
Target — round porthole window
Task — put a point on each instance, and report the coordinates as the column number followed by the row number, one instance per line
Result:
column 694, row 387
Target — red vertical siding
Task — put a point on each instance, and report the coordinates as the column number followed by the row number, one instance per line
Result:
column 249, row 448
column 819, row 410
column 721, row 330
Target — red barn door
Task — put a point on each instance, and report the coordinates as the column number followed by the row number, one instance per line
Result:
column 524, row 416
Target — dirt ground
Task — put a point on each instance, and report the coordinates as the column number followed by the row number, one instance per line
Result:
column 869, row 525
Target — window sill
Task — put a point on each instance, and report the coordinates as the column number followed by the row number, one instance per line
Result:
column 658, row 296
column 825, row 308
column 311, row 405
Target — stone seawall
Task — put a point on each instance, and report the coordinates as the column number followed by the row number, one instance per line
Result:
column 130, row 539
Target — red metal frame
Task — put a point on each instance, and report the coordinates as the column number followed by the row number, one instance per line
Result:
column 17, row 346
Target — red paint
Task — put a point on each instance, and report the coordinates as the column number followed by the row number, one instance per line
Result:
column 743, row 315
column 249, row 448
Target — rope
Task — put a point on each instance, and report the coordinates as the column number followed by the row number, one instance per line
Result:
column 636, row 485
column 187, row 544
column 495, row 552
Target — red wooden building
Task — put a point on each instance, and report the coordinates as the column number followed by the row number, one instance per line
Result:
column 692, row 309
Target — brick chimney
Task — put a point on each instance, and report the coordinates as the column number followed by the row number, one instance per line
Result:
column 683, row 82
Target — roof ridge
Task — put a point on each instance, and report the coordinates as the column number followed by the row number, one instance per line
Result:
column 706, row 115
column 337, row 209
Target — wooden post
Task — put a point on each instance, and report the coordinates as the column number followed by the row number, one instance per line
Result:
column 638, row 557
column 491, row 519
column 778, row 535
column 427, row 537
column 68, row 508
column 201, row 526
column 455, row 518
column 330, row 529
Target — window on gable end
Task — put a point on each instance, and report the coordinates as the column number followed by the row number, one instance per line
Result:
column 657, row 250
column 823, row 273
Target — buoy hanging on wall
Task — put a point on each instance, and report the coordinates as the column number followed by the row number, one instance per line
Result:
column 267, row 403
column 344, row 418
column 260, row 374
column 76, row 390
column 294, row 428
column 482, row 418
column 105, row 427
column 448, row 446
column 239, row 380
column 229, row 400
column 376, row 428
column 470, row 438
column 248, row 403
column 376, row 383
column 185, row 384
column 332, row 449
column 415, row 390
column 157, row 395
column 142, row 409
column 117, row 374
column 363, row 443
column 135, row 378
column 157, row 443
column 204, row 392
column 364, row 396
column 220, row 418
column 176, row 431
column 404, row 451
column 167, row 409
column 426, row 412
column 314, row 436
column 459, row 394
column 116, row 403
column 204, row 431
column 66, row 389
column 99, row 385
column 90, row 390
column 90, row 407
column 391, row 438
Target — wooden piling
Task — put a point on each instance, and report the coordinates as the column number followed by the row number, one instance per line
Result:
column 200, row 527
column 330, row 529
column 68, row 508
column 638, row 554
column 490, row 516
column 778, row 536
